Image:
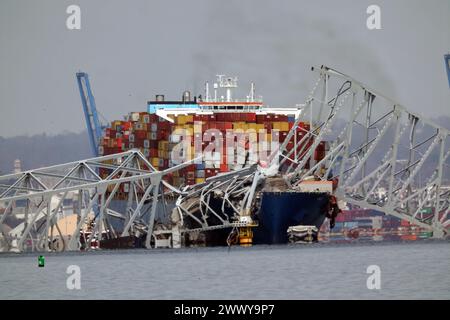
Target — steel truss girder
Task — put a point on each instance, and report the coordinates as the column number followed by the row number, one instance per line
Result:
column 45, row 189
column 375, row 126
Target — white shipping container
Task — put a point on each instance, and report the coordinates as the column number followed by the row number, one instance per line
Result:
column 200, row 173
column 240, row 159
column 175, row 138
column 213, row 156
column 135, row 116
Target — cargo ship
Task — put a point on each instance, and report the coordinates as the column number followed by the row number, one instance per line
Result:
column 212, row 126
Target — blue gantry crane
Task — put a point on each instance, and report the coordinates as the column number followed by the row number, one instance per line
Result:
column 95, row 128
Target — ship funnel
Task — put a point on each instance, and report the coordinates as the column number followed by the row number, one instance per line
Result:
column 186, row 96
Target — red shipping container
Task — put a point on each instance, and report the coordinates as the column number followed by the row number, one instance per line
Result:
column 280, row 117
column 112, row 133
column 260, row 118
column 140, row 134
column 126, row 125
column 300, row 135
column 154, row 118
column 210, row 117
column 162, row 135
column 302, row 126
column 290, row 145
column 319, row 155
column 209, row 173
column 139, row 143
column 227, row 126
column 251, row 117
column 190, row 167
column 153, row 153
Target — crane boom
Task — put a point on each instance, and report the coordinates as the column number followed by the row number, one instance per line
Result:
column 90, row 111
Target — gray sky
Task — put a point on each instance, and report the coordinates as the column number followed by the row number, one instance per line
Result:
column 135, row 49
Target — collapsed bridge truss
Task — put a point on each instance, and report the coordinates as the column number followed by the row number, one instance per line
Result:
column 383, row 157
column 41, row 195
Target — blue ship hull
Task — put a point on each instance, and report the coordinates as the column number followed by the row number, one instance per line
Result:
column 280, row 210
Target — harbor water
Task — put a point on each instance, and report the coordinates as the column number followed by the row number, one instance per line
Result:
column 408, row 270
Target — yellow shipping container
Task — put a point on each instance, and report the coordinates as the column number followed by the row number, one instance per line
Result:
column 154, row 161
column 199, row 180
column 180, row 120
column 239, row 125
column 183, row 119
column 163, row 154
column 282, row 126
column 163, row 145
column 187, row 129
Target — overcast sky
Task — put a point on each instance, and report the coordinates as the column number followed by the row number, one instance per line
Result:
column 133, row 50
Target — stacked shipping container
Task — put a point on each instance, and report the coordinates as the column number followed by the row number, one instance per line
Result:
column 156, row 138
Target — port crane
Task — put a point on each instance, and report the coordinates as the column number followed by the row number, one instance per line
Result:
column 384, row 157
column 94, row 127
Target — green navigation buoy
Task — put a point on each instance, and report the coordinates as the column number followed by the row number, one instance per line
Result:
column 41, row 261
